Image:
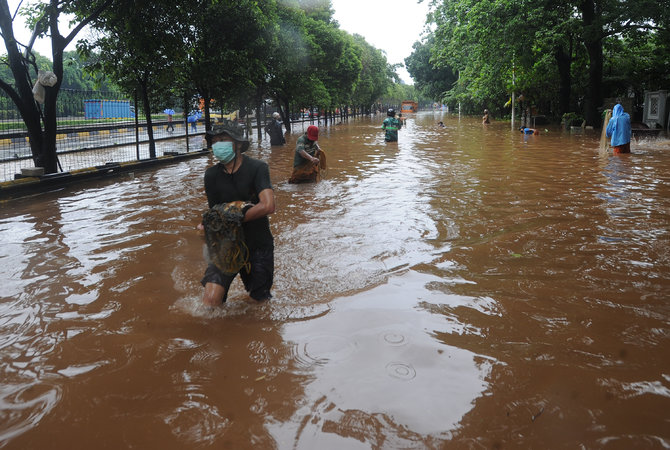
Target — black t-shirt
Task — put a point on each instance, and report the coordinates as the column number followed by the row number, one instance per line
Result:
column 251, row 178
column 275, row 132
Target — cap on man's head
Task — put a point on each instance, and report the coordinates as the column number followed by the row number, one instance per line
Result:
column 313, row 133
column 232, row 129
column 275, row 115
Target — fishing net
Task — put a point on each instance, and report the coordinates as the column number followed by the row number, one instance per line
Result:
column 308, row 172
column 225, row 237
column 603, row 136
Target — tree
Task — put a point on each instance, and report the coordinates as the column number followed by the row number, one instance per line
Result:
column 636, row 62
column 139, row 49
column 335, row 60
column 320, row 10
column 40, row 120
column 375, row 78
column 484, row 43
column 81, row 75
column 432, row 81
column 539, row 44
column 604, row 18
column 226, row 49
column 312, row 61
column 288, row 61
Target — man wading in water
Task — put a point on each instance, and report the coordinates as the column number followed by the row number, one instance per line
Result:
column 308, row 158
column 618, row 128
column 391, row 125
column 246, row 182
column 275, row 131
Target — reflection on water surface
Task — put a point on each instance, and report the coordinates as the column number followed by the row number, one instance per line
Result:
column 467, row 285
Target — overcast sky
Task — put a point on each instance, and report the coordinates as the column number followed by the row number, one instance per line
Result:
column 389, row 25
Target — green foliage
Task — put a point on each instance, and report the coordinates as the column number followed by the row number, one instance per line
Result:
column 138, row 46
column 320, row 10
column 237, row 53
column 571, row 119
column 636, row 62
column 551, row 51
column 41, row 120
column 373, row 81
column 335, row 60
column 432, row 81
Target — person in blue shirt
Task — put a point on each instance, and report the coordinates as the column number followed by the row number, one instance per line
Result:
column 618, row 128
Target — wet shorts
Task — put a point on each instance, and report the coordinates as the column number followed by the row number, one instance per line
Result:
column 625, row 148
column 257, row 282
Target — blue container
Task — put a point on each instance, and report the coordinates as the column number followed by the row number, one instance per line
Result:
column 107, row 109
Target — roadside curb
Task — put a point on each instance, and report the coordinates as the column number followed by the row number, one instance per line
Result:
column 31, row 185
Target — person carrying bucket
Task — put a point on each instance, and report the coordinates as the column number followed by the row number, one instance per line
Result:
column 618, row 128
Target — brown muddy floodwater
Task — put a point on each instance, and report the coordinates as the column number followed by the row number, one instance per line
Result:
column 467, row 287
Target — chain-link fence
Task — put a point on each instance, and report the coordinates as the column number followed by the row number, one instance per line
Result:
column 94, row 128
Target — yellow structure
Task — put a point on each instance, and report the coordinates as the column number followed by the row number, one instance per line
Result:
column 409, row 106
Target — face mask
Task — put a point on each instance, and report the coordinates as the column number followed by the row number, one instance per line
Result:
column 223, row 151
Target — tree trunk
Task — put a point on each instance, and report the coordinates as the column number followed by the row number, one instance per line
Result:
column 564, row 63
column 283, row 114
column 208, row 117
column 42, row 142
column 592, row 36
column 594, row 97
column 147, row 112
column 287, row 121
column 21, row 94
column 49, row 157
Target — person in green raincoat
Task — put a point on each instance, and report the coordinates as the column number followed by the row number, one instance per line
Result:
column 391, row 126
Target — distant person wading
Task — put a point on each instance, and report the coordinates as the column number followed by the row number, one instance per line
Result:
column 308, row 158
column 391, row 125
column 485, row 118
column 274, row 129
column 619, row 129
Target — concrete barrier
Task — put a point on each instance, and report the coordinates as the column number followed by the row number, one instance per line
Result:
column 26, row 184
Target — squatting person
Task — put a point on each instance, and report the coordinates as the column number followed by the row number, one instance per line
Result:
column 308, row 157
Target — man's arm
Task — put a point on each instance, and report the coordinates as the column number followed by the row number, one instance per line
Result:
column 307, row 156
column 264, row 207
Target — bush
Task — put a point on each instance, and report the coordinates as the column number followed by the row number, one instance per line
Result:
column 572, row 119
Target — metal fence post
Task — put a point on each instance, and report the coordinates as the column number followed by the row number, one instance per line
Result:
column 137, row 128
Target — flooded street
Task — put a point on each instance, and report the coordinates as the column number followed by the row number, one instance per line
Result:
column 466, row 287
